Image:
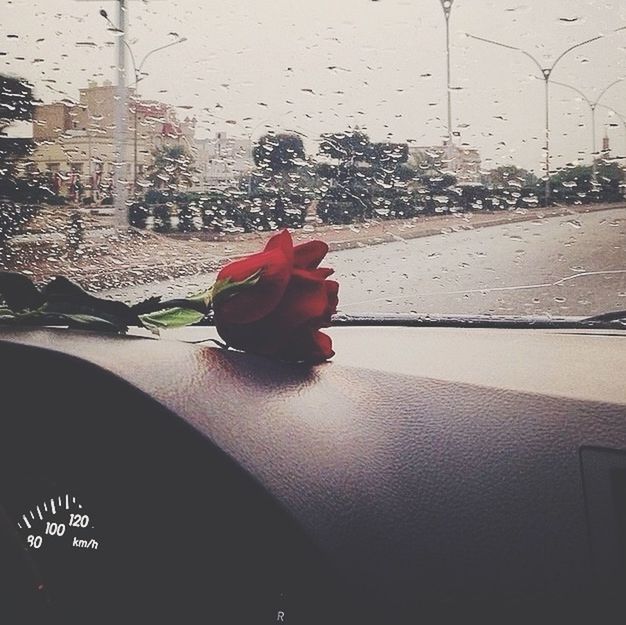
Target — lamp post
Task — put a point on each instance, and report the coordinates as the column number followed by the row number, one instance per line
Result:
column 593, row 104
column 139, row 76
column 121, row 106
column 121, row 103
column 446, row 5
column 121, row 110
column 546, row 73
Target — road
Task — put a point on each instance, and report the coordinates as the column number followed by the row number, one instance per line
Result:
column 557, row 266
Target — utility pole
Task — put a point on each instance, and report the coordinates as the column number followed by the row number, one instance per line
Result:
column 120, row 166
column 446, row 5
column 120, row 192
column 593, row 105
column 546, row 74
column 139, row 76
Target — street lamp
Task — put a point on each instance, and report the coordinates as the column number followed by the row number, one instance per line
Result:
column 119, row 190
column 139, row 76
column 593, row 104
column 446, row 5
column 121, row 108
column 546, row 73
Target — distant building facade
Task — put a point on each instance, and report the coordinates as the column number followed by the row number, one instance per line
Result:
column 463, row 163
column 222, row 161
column 75, row 141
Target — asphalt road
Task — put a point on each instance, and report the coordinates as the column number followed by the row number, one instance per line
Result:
column 556, row 266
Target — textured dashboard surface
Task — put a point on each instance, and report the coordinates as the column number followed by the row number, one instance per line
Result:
column 421, row 492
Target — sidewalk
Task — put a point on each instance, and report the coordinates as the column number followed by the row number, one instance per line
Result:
column 110, row 259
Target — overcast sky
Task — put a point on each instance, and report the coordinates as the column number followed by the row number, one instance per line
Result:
column 328, row 65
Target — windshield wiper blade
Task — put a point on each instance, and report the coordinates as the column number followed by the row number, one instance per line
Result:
column 479, row 321
column 616, row 315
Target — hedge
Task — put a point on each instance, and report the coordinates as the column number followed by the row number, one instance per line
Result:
column 223, row 213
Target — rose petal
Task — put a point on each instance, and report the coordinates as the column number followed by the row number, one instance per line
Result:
column 309, row 346
column 305, row 299
column 306, row 305
column 321, row 273
column 302, row 345
column 310, row 254
column 281, row 314
column 282, row 241
column 332, row 292
column 324, row 345
column 256, row 301
column 257, row 338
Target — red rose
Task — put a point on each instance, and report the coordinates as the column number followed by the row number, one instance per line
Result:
column 279, row 313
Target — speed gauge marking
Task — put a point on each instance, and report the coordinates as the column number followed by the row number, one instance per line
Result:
column 58, row 520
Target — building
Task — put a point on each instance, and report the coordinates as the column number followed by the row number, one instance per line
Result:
column 461, row 162
column 222, row 161
column 75, row 141
column 606, row 146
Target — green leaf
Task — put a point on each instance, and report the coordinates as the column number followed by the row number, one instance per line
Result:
column 171, row 318
column 6, row 313
column 65, row 297
column 18, row 291
column 89, row 322
column 41, row 317
column 229, row 287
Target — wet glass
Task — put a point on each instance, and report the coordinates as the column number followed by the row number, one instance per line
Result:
column 458, row 157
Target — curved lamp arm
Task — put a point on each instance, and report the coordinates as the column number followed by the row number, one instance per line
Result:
column 509, row 47
column 147, row 56
column 607, row 88
column 574, row 47
column 544, row 71
column 578, row 91
column 618, row 114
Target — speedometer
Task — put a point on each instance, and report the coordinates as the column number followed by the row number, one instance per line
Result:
column 64, row 543
column 59, row 521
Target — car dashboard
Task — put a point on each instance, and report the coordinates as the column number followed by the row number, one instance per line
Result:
column 423, row 474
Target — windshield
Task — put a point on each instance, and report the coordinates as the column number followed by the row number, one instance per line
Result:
column 459, row 157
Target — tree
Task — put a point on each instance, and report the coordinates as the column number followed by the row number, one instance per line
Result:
column 437, row 183
column 16, row 101
column 577, row 183
column 425, row 161
column 347, row 147
column 16, row 104
column 387, row 155
column 172, row 169
column 351, row 150
column 279, row 152
column 511, row 175
column 387, row 161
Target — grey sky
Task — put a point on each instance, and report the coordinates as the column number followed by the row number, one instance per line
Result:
column 326, row 65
